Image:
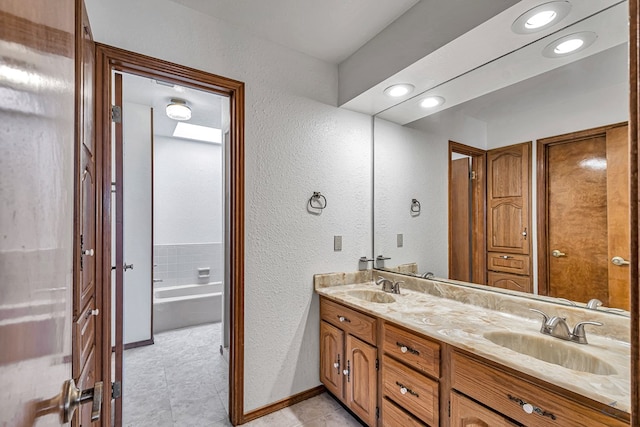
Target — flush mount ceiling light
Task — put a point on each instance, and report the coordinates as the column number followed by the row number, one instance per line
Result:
column 432, row 101
column 399, row 90
column 178, row 110
column 541, row 17
column 569, row 44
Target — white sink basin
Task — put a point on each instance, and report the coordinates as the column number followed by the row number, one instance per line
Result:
column 552, row 350
column 372, row 296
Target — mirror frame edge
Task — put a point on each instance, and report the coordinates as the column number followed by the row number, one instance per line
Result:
column 634, row 117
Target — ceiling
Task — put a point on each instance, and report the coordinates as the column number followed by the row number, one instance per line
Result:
column 330, row 30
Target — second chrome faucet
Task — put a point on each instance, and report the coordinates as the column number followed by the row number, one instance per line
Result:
column 557, row 327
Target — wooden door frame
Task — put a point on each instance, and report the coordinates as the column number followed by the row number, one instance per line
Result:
column 479, row 208
column 542, row 147
column 110, row 58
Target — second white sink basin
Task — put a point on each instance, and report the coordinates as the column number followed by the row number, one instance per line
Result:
column 372, row 296
column 552, row 350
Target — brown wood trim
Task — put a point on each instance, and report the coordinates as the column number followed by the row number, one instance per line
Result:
column 634, row 118
column 111, row 58
column 119, row 224
column 479, row 243
column 103, row 224
column 542, row 146
column 286, row 402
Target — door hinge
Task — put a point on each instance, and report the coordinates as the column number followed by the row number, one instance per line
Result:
column 377, row 364
column 378, row 412
column 116, row 114
column 116, row 390
column 472, row 175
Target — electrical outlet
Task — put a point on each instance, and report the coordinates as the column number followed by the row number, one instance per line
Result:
column 400, row 240
column 337, row 243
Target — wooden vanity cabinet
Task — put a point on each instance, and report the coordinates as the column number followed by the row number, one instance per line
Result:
column 467, row 413
column 349, row 358
column 520, row 399
column 410, row 376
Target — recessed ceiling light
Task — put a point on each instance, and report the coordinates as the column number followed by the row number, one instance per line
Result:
column 197, row 132
column 398, row 90
column 569, row 44
column 432, row 101
column 178, row 110
column 541, row 17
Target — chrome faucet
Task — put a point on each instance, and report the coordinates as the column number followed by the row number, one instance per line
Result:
column 388, row 285
column 557, row 327
column 594, row 303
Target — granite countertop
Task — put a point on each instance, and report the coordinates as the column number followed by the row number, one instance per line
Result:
column 463, row 325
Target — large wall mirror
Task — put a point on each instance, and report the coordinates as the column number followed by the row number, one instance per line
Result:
column 525, row 112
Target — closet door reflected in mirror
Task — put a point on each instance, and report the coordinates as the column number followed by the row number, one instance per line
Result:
column 583, row 200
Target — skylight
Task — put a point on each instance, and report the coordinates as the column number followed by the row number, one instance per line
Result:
column 198, row 133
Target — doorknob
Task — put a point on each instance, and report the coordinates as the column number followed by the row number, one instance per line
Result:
column 557, row 254
column 69, row 399
column 619, row 261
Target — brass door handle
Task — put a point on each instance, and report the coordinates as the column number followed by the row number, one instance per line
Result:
column 619, row 261
column 69, row 399
column 557, row 254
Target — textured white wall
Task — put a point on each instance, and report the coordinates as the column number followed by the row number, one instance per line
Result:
column 187, row 199
column 412, row 163
column 297, row 142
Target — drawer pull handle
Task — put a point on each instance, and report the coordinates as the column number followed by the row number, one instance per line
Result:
column 529, row 408
column 346, row 371
column 506, row 257
column 405, row 390
column 337, row 365
column 343, row 319
column 405, row 348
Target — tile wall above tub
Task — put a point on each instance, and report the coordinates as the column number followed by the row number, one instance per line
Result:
column 179, row 264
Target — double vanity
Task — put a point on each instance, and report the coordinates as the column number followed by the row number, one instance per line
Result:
column 440, row 354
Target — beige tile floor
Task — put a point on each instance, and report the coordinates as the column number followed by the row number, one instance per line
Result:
column 181, row 380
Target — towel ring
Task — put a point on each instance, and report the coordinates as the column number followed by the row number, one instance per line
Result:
column 317, row 201
column 415, row 206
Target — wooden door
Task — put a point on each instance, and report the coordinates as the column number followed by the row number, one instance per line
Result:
column 86, row 315
column 466, row 413
column 577, row 219
column 460, row 255
column 332, row 361
column 361, row 380
column 618, row 224
column 37, row 205
column 508, row 199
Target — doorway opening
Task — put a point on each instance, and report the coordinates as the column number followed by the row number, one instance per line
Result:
column 112, row 64
column 467, row 207
column 170, row 170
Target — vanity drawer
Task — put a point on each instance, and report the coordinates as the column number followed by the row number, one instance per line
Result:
column 352, row 322
column 412, row 391
column 394, row 416
column 509, row 281
column 411, row 349
column 508, row 263
column 507, row 393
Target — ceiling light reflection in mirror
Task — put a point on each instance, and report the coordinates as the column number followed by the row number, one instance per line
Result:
column 541, row 17
column 518, row 66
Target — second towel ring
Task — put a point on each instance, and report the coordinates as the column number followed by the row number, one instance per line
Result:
column 317, row 201
column 415, row 206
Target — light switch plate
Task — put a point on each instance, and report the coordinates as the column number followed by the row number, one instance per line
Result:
column 400, row 240
column 337, row 243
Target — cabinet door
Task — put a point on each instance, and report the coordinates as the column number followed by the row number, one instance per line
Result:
column 509, row 281
column 332, row 361
column 361, row 377
column 508, row 176
column 467, row 413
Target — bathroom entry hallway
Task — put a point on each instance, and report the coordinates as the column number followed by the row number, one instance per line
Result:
column 168, row 235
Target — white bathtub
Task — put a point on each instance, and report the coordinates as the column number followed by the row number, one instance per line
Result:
column 186, row 305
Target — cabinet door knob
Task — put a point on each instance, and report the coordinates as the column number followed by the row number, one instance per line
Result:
column 403, row 349
column 336, row 365
column 528, row 408
column 403, row 390
column 343, row 319
column 89, row 252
